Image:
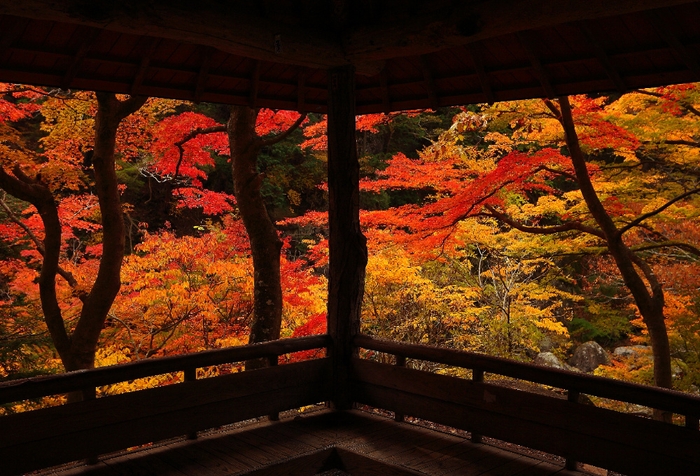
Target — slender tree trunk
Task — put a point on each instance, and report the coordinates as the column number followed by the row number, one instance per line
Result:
column 649, row 299
column 77, row 350
column 110, row 113
column 265, row 244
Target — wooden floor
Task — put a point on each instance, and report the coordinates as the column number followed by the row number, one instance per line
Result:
column 324, row 442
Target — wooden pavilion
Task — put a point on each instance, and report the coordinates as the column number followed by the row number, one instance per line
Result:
column 344, row 57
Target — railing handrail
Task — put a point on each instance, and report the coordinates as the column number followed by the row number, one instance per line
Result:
column 35, row 387
column 654, row 397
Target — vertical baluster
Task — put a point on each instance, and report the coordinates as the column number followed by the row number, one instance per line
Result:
column 273, row 360
column 90, row 393
column 477, row 377
column 191, row 376
column 400, row 362
column 572, row 396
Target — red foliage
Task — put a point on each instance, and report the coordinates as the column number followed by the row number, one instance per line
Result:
column 270, row 122
column 196, row 152
column 211, row 203
column 16, row 110
column 316, row 325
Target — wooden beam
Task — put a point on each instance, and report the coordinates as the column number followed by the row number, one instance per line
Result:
column 232, row 27
column 429, row 82
column 603, row 58
column 238, row 28
column 301, row 90
column 12, row 34
column 203, row 75
column 347, row 244
column 147, row 50
column 474, row 21
column 666, row 31
column 254, row 84
column 88, row 36
column 386, row 97
column 477, row 58
column 537, row 66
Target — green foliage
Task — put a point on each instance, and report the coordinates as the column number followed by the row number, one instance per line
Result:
column 291, row 177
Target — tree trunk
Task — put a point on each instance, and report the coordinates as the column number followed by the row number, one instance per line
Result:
column 110, row 113
column 649, row 299
column 77, row 351
column 265, row 244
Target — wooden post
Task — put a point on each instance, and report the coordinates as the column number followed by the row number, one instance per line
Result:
column 191, row 376
column 400, row 362
column 572, row 396
column 478, row 377
column 272, row 361
column 90, row 393
column 347, row 244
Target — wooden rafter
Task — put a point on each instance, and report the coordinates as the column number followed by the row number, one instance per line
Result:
column 603, row 58
column 12, row 34
column 469, row 22
column 147, row 50
column 429, row 82
column 667, row 33
column 236, row 28
column 475, row 52
column 88, row 37
column 254, row 84
column 537, row 66
column 384, row 85
column 301, row 90
column 203, row 75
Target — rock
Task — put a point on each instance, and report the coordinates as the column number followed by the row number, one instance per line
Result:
column 546, row 344
column 588, row 356
column 630, row 351
column 548, row 359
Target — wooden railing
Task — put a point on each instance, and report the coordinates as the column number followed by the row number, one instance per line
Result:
column 49, row 436
column 579, row 432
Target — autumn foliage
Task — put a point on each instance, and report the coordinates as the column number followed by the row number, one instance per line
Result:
column 480, row 234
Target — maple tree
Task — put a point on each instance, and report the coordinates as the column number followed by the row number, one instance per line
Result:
column 77, row 347
column 525, row 181
column 248, row 130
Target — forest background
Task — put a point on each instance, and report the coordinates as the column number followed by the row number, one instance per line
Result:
column 480, row 228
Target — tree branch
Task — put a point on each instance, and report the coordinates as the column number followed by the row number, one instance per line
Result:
column 39, row 195
column 545, row 230
column 668, row 244
column 191, row 135
column 689, row 143
column 687, row 107
column 67, row 275
column 280, row 137
column 650, row 214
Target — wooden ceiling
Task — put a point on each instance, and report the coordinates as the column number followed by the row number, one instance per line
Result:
column 408, row 54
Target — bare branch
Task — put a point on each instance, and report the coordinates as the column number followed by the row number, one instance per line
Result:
column 67, row 275
column 689, row 143
column 545, row 230
column 280, row 137
column 687, row 107
column 191, row 135
column 668, row 244
column 650, row 214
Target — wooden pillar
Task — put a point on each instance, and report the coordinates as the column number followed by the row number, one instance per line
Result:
column 347, row 244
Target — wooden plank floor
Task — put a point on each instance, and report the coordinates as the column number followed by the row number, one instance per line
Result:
column 354, row 442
